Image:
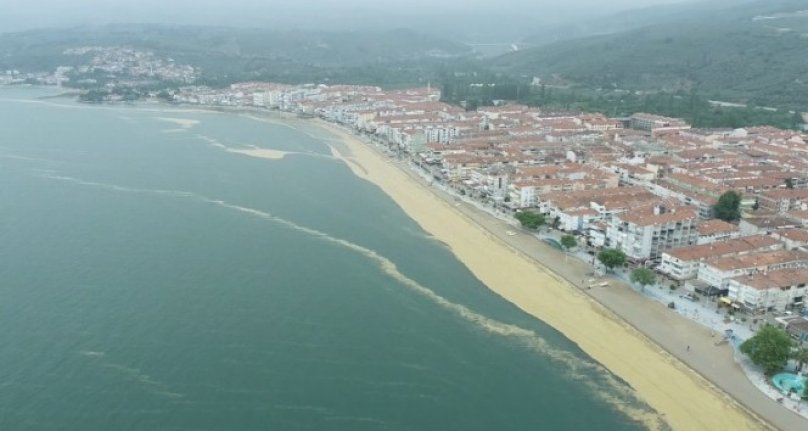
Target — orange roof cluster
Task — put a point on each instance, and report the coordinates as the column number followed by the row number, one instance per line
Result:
column 723, row 248
column 760, row 260
column 648, row 215
column 799, row 235
column 780, row 279
column 716, row 226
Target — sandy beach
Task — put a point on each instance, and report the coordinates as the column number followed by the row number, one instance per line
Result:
column 685, row 399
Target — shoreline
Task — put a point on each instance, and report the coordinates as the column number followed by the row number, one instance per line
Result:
column 680, row 394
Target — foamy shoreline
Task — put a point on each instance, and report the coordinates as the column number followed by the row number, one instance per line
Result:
column 687, row 401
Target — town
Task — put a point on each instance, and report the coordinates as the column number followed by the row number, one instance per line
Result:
column 110, row 73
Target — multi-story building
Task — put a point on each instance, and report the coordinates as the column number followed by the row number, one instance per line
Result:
column 718, row 272
column 773, row 291
column 654, row 123
column 784, row 200
column 576, row 220
column 793, row 238
column 717, row 230
column 522, row 194
column 683, row 263
column 765, row 225
column 644, row 233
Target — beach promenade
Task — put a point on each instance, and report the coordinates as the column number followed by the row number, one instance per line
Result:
column 517, row 268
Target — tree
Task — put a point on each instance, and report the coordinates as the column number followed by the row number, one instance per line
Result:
column 728, row 206
column 530, row 220
column 770, row 348
column 568, row 242
column 643, row 277
column 612, row 257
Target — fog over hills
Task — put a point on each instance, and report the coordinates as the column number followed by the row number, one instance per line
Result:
column 750, row 51
column 467, row 21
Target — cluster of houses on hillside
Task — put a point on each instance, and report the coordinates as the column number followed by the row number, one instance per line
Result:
column 108, row 68
column 645, row 184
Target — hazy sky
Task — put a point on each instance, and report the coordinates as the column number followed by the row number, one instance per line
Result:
column 16, row 15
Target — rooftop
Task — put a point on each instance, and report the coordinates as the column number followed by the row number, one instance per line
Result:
column 723, row 248
column 650, row 216
column 712, row 227
column 759, row 260
column 770, row 222
column 800, row 235
column 775, row 279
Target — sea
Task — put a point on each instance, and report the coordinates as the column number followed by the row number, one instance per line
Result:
column 153, row 279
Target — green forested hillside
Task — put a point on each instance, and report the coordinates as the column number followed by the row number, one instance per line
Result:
column 754, row 53
column 229, row 54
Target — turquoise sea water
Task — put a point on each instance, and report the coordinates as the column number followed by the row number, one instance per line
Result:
column 151, row 280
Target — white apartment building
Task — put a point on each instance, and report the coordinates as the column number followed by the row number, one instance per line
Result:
column 718, row 272
column 492, row 181
column 683, row 263
column 440, row 133
column 775, row 290
column 644, row 233
column 576, row 220
column 522, row 194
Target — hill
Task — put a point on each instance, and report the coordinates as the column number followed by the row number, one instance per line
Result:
column 233, row 54
column 624, row 21
column 752, row 52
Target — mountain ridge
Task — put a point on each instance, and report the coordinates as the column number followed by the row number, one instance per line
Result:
column 729, row 55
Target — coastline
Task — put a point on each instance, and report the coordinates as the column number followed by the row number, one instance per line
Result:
column 685, row 399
